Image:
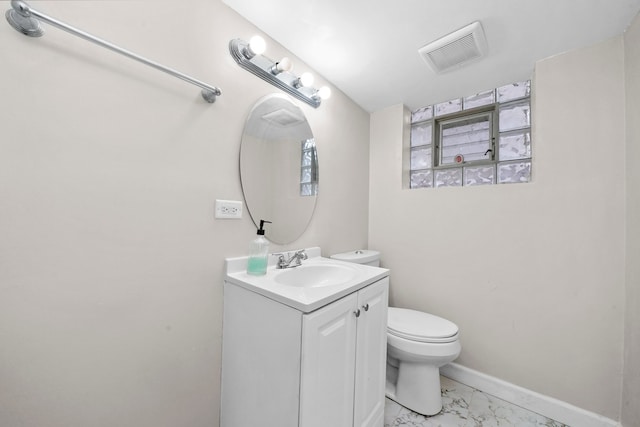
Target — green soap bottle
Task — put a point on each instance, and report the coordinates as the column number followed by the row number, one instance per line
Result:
column 258, row 253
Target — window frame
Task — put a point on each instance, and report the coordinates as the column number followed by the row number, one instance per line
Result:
column 309, row 188
column 490, row 110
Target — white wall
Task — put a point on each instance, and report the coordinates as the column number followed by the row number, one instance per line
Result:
column 631, row 384
column 110, row 258
column 533, row 274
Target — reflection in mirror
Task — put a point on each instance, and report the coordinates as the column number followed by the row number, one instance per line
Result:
column 279, row 168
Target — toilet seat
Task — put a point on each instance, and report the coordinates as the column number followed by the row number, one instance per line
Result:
column 419, row 326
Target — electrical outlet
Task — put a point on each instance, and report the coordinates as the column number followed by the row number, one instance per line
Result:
column 228, row 209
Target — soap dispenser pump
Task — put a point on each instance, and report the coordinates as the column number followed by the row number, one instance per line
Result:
column 258, row 253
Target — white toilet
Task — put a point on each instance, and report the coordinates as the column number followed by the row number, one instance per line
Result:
column 418, row 344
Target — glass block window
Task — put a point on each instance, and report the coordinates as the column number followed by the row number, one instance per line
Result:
column 309, row 168
column 477, row 140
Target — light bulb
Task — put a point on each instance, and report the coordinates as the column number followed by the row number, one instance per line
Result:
column 324, row 92
column 305, row 80
column 284, row 64
column 257, row 46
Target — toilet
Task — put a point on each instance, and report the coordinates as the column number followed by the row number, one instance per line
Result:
column 418, row 344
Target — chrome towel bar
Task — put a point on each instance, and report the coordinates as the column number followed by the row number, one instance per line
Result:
column 22, row 18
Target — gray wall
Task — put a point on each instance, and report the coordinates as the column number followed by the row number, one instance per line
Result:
column 110, row 258
column 533, row 274
column 631, row 385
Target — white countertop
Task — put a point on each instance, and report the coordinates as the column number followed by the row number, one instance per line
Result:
column 305, row 299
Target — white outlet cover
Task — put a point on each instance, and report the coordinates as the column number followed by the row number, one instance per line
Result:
column 228, row 209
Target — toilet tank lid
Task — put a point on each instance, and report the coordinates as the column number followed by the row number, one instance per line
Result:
column 361, row 256
column 417, row 324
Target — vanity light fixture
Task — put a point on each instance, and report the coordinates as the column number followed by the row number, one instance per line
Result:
column 249, row 56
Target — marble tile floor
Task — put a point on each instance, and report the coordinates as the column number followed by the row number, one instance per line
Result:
column 464, row 406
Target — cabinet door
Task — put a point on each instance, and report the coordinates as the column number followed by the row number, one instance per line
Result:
column 260, row 381
column 371, row 355
column 328, row 354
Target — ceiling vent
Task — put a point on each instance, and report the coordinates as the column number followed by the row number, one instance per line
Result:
column 282, row 117
column 456, row 49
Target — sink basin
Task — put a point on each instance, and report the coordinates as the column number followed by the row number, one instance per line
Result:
column 316, row 276
column 317, row 282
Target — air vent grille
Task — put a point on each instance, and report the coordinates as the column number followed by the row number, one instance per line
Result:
column 456, row 49
column 282, row 117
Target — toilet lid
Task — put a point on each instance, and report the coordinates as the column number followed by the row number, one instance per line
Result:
column 419, row 326
column 361, row 256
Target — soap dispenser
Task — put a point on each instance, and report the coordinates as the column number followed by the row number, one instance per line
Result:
column 258, row 253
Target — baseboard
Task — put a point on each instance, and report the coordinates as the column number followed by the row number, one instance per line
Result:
column 530, row 400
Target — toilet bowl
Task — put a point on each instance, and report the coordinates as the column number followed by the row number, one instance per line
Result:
column 418, row 344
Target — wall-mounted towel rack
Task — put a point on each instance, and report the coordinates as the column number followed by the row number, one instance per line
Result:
column 23, row 18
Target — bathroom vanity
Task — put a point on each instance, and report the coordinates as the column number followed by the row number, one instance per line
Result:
column 304, row 347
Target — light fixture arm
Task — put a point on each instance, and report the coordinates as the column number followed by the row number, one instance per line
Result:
column 262, row 67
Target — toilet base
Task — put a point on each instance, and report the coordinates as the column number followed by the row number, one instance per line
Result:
column 392, row 380
column 415, row 386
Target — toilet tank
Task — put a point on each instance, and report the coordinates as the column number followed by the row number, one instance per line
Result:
column 362, row 256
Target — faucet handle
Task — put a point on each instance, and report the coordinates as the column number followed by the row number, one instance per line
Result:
column 281, row 261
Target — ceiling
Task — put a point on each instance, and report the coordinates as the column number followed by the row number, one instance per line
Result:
column 369, row 48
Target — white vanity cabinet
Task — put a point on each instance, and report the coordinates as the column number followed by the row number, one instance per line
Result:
column 282, row 367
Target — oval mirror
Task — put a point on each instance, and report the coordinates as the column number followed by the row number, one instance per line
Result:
column 279, row 168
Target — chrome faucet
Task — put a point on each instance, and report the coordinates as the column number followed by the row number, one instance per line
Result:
column 294, row 261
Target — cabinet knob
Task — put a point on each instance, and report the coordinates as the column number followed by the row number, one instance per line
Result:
column 357, row 312
column 366, row 307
